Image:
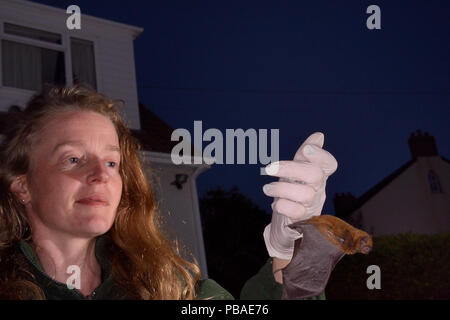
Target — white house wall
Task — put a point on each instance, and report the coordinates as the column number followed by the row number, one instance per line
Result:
column 179, row 207
column 113, row 46
column 407, row 204
column 119, row 79
column 438, row 204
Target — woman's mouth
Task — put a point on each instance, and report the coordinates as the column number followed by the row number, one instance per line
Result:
column 91, row 202
column 94, row 201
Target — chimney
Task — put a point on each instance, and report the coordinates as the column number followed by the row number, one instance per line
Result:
column 344, row 204
column 422, row 145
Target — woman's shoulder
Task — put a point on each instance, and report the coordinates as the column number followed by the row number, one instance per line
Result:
column 208, row 289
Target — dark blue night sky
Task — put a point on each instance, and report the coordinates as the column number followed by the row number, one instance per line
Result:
column 297, row 66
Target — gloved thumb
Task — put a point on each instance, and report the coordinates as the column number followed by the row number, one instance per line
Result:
column 316, row 139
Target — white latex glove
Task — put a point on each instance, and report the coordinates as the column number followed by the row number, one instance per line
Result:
column 299, row 194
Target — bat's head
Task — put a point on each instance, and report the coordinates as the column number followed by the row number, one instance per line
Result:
column 350, row 239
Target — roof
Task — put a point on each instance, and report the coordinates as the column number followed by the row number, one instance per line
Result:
column 136, row 31
column 155, row 134
column 360, row 201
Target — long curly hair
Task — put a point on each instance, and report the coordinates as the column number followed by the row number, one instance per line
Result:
column 144, row 262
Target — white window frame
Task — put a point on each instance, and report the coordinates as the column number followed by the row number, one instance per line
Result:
column 63, row 47
column 95, row 41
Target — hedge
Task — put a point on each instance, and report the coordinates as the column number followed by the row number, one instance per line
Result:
column 412, row 266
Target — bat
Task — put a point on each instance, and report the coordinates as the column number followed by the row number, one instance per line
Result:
column 326, row 239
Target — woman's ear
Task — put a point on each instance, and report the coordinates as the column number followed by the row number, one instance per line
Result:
column 19, row 187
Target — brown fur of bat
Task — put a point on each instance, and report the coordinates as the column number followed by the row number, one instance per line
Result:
column 326, row 239
column 348, row 238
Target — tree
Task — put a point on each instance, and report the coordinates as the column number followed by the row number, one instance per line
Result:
column 233, row 228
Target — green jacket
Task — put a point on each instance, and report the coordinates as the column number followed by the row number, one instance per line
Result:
column 262, row 286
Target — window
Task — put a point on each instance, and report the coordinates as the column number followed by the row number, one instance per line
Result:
column 32, row 58
column 433, row 180
column 83, row 62
column 29, row 66
column 41, row 35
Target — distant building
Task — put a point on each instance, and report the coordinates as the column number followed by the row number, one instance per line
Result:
column 36, row 47
column 414, row 198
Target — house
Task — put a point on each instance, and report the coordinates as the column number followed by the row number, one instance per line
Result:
column 174, row 185
column 36, row 47
column 414, row 198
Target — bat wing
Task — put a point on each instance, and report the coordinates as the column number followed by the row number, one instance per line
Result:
column 313, row 261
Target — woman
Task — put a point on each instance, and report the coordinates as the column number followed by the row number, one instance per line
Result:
column 74, row 199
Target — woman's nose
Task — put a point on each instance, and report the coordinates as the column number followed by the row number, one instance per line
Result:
column 98, row 172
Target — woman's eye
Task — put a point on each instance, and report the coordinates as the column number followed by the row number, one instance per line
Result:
column 73, row 160
column 111, row 164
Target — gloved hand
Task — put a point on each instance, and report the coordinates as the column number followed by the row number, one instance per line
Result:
column 299, row 194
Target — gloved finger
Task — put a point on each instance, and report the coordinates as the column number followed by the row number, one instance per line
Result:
column 300, row 171
column 294, row 210
column 291, row 191
column 320, row 157
column 317, row 139
column 281, row 222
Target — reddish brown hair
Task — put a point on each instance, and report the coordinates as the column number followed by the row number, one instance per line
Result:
column 144, row 262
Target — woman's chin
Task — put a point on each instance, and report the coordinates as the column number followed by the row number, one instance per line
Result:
column 95, row 225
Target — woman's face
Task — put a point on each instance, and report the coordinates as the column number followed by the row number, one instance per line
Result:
column 74, row 184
